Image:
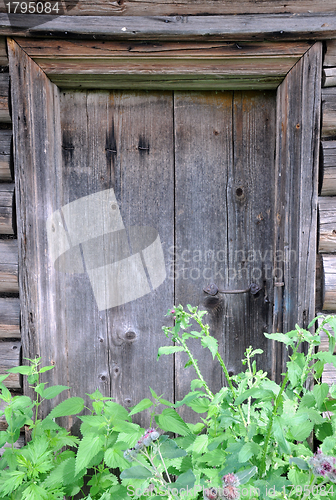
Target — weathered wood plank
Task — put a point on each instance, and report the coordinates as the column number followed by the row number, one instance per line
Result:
column 329, row 77
column 229, row 28
column 7, row 223
column 328, row 168
column 165, row 65
column 327, row 229
column 329, row 282
column 298, row 126
column 221, row 192
column 10, row 318
column 9, row 266
column 318, row 283
column 3, row 51
column 4, row 96
column 330, row 55
column 5, row 155
column 329, row 112
column 9, row 357
column 187, row 8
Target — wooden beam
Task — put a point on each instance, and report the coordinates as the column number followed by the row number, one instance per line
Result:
column 327, row 211
column 6, row 209
column 5, row 155
column 329, row 282
column 329, row 77
column 285, row 27
column 9, row 357
column 187, row 8
column 9, row 318
column 3, row 52
column 328, row 170
column 330, row 55
column 165, row 65
column 329, row 112
column 4, row 96
column 318, row 283
column 9, row 266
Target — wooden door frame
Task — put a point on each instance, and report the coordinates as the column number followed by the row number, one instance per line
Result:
column 35, row 101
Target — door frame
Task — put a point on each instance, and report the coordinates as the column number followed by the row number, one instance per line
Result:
column 35, row 102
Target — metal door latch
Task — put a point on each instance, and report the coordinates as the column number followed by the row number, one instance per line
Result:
column 213, row 289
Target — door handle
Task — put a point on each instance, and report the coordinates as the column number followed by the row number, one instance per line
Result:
column 213, row 289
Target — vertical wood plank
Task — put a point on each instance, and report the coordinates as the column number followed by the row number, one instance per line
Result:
column 298, row 125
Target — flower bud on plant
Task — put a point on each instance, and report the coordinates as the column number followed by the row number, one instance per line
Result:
column 323, row 465
column 230, row 489
column 130, row 454
column 210, row 494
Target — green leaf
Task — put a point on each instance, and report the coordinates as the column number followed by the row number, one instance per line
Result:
column 254, row 393
column 169, row 449
column 46, row 369
column 302, row 464
column 170, row 420
column 245, row 475
column 185, row 480
column 70, row 406
column 90, row 445
column 211, row 343
column 302, row 431
column 143, row 405
column 196, row 384
column 320, row 392
column 169, row 350
column 114, row 458
column 280, row 337
column 115, row 411
column 200, row 444
column 297, row 478
column 136, row 472
column 279, row 435
column 23, row 370
column 53, row 391
column 247, row 451
column 328, row 444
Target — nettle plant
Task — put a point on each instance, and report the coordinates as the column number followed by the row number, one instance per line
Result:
column 253, row 438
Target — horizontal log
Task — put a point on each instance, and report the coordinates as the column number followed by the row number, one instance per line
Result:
column 329, row 112
column 4, row 96
column 188, row 8
column 3, row 52
column 222, row 27
column 10, row 357
column 9, row 266
column 9, row 318
column 329, row 282
column 330, row 55
column 6, row 209
column 329, row 77
column 188, row 65
column 328, row 170
column 327, row 229
column 5, row 155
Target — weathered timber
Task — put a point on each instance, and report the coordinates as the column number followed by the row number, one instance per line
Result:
column 329, row 282
column 330, row 55
column 318, row 283
column 283, row 27
column 10, row 318
column 297, row 159
column 329, row 112
column 327, row 229
column 7, row 223
column 4, row 98
column 9, row 266
column 187, row 8
column 231, row 219
column 329, row 77
column 328, row 168
column 3, row 51
column 189, row 65
column 5, row 155
column 108, row 140
column 10, row 357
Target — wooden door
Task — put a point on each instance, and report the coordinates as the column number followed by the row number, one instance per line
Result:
column 218, row 175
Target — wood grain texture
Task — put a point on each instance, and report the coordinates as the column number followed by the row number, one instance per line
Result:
column 328, row 168
column 327, row 229
column 6, row 155
column 283, row 27
column 329, row 282
column 298, row 128
column 165, row 65
column 329, row 77
column 3, row 51
column 9, row 266
column 10, row 318
column 7, row 224
column 187, row 8
column 329, row 112
column 10, row 357
column 330, row 55
column 4, row 98
column 318, row 285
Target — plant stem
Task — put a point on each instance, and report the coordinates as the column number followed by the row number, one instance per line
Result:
column 164, row 464
column 200, row 376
